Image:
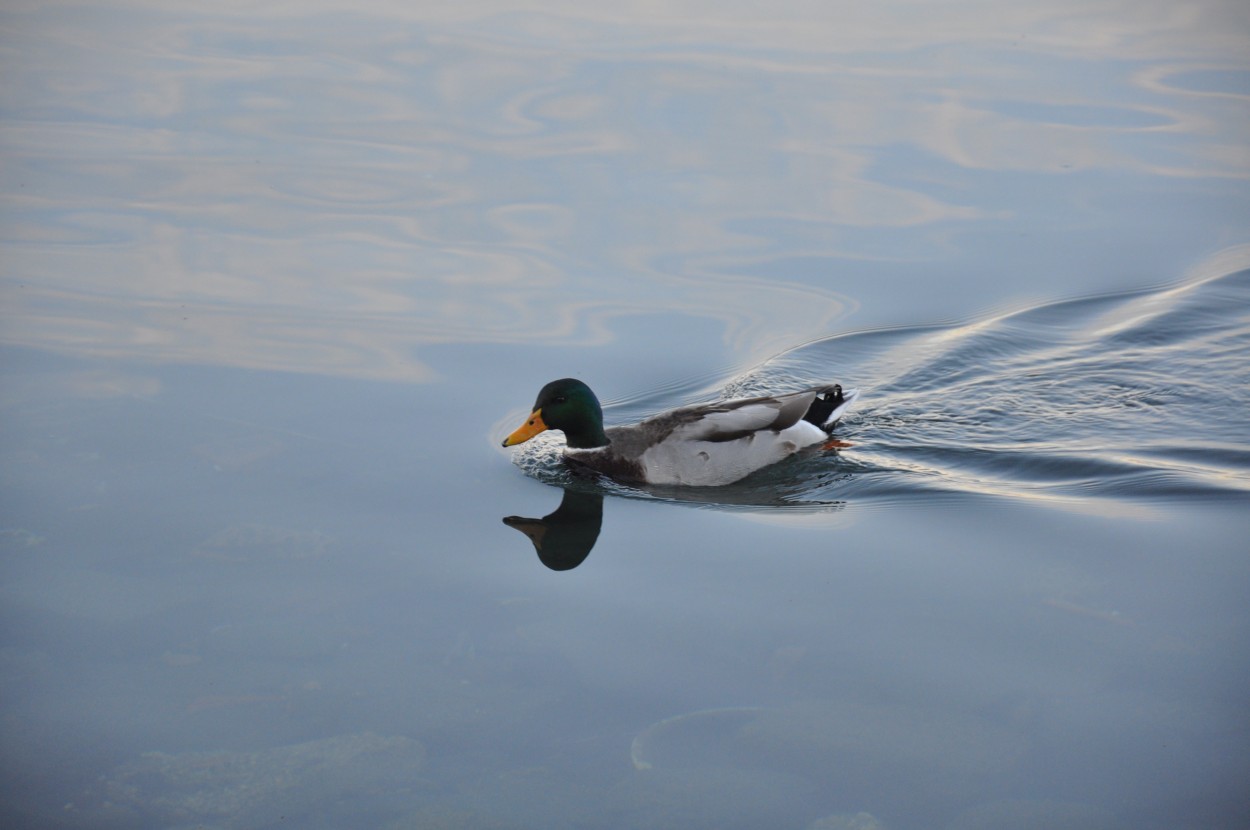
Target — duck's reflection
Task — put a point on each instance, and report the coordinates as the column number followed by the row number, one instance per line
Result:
column 565, row 537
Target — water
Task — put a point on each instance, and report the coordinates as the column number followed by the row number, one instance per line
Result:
column 276, row 282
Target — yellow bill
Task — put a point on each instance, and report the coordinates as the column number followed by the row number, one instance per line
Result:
column 527, row 430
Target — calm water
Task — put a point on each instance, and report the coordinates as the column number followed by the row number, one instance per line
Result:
column 275, row 283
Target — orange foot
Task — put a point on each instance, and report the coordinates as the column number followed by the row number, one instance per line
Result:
column 835, row 444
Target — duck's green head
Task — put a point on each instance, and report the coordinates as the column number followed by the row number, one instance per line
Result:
column 569, row 406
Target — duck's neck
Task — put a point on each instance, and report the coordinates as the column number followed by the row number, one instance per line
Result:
column 589, row 438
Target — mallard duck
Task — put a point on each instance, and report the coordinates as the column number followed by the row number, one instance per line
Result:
column 701, row 445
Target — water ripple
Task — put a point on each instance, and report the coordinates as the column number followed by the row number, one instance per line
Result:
column 1133, row 396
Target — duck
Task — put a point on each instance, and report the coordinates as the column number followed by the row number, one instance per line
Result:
column 703, row 445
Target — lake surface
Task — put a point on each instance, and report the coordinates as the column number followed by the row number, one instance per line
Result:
column 276, row 282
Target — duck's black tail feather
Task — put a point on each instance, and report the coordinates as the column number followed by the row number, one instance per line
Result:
column 827, row 400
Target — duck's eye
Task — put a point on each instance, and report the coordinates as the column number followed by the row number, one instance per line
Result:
column 559, row 399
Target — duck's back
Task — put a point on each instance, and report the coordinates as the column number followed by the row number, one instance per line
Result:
column 718, row 443
column 711, row 444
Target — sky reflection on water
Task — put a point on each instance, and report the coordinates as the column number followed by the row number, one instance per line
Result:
column 274, row 278
column 333, row 192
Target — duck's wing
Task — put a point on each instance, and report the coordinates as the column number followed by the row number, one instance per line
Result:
column 731, row 420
